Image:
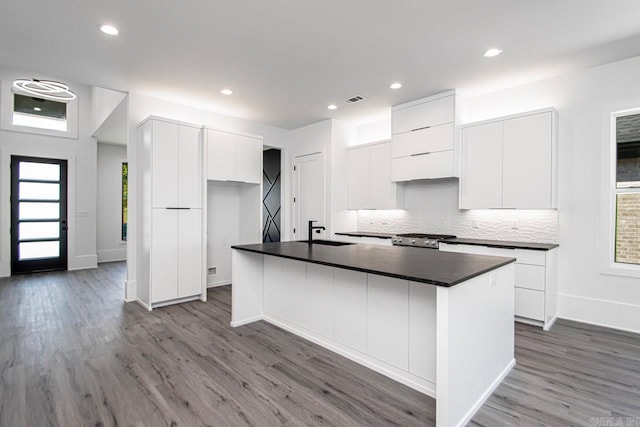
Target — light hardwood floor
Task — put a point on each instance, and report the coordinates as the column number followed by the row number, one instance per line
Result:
column 73, row 354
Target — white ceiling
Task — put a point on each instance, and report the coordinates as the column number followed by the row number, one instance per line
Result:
column 287, row 60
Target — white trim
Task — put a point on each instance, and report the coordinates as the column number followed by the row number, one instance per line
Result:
column 550, row 323
column 175, row 301
column 510, row 116
column 606, row 237
column 246, row 321
column 139, row 301
column 403, row 377
column 469, row 415
column 111, row 255
column 130, row 290
column 233, row 132
column 167, row 120
column 423, row 100
column 217, row 284
column 592, row 311
column 83, row 262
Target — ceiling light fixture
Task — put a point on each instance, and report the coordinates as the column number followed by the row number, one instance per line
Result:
column 109, row 30
column 226, row 92
column 395, row 85
column 332, row 107
column 45, row 89
column 490, row 53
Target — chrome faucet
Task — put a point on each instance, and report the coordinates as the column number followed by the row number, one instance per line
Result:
column 311, row 228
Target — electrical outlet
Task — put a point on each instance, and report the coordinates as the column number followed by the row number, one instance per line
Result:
column 476, row 223
column 492, row 280
column 213, row 271
column 515, row 225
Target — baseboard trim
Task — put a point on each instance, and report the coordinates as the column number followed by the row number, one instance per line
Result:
column 217, row 284
column 598, row 312
column 550, row 323
column 246, row 321
column 130, row 290
column 488, row 392
column 139, row 301
column 396, row 374
column 110, row 255
column 83, row 262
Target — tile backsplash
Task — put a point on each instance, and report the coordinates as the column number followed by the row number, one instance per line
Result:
column 432, row 207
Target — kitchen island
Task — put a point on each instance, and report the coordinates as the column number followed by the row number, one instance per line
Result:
column 439, row 322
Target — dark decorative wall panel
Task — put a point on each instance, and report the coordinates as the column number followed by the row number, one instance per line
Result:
column 271, row 195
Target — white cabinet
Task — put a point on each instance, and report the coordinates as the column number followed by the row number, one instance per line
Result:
column 369, row 183
column 535, row 280
column 170, row 170
column 423, row 139
column 233, row 157
column 510, row 163
column 422, row 330
column 350, row 308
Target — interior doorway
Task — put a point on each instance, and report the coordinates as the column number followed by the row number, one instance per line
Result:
column 309, row 194
column 38, row 214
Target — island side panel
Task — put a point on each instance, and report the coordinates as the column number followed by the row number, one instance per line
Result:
column 475, row 343
column 247, row 288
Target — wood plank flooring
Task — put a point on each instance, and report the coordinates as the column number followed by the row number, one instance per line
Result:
column 73, row 354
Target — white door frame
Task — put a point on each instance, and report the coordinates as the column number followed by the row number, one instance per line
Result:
column 297, row 229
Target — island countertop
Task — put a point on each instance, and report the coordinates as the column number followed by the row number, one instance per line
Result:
column 416, row 264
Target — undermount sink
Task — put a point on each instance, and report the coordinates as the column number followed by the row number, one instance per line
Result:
column 328, row 242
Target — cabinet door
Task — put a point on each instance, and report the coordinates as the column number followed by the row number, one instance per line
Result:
column 221, row 155
column 318, row 307
column 164, row 254
column 190, row 168
column 529, row 304
column 164, row 165
column 248, row 159
column 422, row 330
column 350, row 308
column 429, row 140
column 388, row 320
column 382, row 192
column 431, row 113
column 481, row 174
column 189, row 252
column 527, row 162
column 426, row 166
column 358, row 185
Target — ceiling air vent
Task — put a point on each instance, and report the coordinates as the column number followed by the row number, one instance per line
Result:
column 354, row 99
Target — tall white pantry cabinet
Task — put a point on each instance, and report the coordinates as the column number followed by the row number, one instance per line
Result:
column 171, row 256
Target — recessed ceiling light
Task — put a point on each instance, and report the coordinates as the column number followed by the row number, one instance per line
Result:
column 395, row 85
column 37, row 109
column 490, row 53
column 226, row 92
column 109, row 29
column 332, row 107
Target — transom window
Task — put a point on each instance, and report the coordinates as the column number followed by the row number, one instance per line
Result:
column 39, row 113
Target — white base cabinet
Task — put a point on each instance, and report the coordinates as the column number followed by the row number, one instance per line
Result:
column 536, row 276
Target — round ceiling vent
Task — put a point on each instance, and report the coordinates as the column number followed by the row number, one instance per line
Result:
column 46, row 89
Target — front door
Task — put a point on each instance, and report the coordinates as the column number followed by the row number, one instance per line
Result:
column 309, row 195
column 38, row 214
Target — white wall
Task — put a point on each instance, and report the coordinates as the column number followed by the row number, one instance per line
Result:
column 582, row 98
column 103, row 102
column 81, row 156
column 142, row 106
column 109, row 241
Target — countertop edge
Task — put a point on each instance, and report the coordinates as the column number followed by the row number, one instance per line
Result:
column 380, row 273
column 504, row 245
column 363, row 234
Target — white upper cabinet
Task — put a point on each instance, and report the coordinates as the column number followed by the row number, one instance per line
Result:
column 423, row 142
column 527, row 162
column 233, row 157
column 369, row 183
column 510, row 163
column 176, row 165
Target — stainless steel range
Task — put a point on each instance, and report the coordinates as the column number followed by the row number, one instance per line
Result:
column 420, row 240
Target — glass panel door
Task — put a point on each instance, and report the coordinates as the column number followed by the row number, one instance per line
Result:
column 38, row 214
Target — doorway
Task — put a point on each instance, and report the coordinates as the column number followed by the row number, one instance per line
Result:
column 271, row 195
column 38, row 214
column 309, row 194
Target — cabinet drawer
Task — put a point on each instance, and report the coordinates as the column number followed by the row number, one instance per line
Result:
column 429, row 140
column 530, row 276
column 426, row 166
column 530, row 257
column 430, row 113
column 529, row 304
column 507, row 253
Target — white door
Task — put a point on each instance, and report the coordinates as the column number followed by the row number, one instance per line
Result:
column 309, row 197
column 164, row 165
column 164, row 254
column 190, row 168
column 189, row 252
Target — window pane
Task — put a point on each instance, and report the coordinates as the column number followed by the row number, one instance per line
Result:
column 39, row 211
column 29, row 120
column 628, row 228
column 628, row 151
column 39, row 230
column 39, row 107
column 36, row 250
column 40, row 171
column 39, row 191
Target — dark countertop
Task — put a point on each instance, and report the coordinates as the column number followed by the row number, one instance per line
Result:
column 366, row 234
column 502, row 244
column 416, row 264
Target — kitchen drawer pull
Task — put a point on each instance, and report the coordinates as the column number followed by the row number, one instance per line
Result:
column 416, row 129
column 420, row 154
column 179, row 208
